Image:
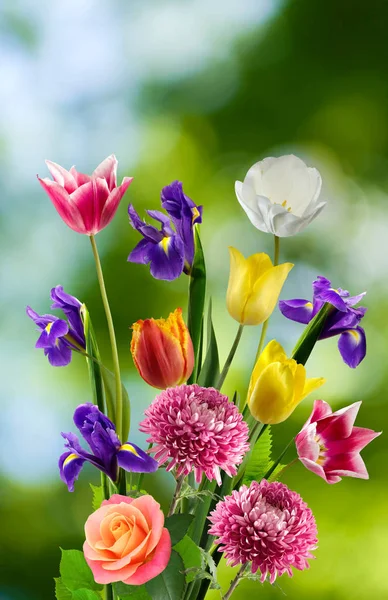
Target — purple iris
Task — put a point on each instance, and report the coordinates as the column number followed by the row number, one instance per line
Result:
column 55, row 333
column 170, row 249
column 344, row 320
column 107, row 451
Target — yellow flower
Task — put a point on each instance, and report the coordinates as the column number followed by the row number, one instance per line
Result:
column 254, row 287
column 277, row 385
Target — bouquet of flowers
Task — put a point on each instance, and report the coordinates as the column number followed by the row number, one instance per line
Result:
column 228, row 499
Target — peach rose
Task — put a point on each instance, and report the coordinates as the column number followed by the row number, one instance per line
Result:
column 126, row 540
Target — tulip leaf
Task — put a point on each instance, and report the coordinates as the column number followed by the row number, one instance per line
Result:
column 310, row 336
column 260, row 460
column 170, row 584
column 75, row 572
column 197, row 290
column 210, row 371
column 190, row 553
column 94, row 362
column 137, row 592
column 110, row 395
column 177, row 526
column 61, row 591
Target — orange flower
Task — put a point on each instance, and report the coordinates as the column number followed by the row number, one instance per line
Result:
column 162, row 350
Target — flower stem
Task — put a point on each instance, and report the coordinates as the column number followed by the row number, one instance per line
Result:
column 108, row 592
column 231, row 354
column 235, row 582
column 266, row 323
column 175, row 498
column 112, row 336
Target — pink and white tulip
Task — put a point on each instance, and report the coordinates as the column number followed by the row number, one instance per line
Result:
column 329, row 445
column 86, row 203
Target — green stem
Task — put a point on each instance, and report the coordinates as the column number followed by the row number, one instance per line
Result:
column 231, row 354
column 277, row 461
column 175, row 498
column 112, row 336
column 235, row 581
column 108, row 592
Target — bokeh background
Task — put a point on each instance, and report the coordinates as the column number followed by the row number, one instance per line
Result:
column 197, row 91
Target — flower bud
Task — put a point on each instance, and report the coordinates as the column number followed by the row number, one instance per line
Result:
column 277, row 385
column 254, row 287
column 162, row 350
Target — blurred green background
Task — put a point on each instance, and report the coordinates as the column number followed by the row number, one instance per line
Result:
column 197, row 91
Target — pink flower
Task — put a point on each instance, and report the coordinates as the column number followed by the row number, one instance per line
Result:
column 126, row 540
column 329, row 445
column 86, row 203
column 266, row 524
column 198, row 428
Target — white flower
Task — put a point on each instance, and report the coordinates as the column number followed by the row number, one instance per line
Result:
column 280, row 195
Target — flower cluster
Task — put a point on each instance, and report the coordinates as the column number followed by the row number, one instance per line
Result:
column 207, row 441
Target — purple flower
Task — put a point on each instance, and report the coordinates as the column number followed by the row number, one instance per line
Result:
column 107, row 451
column 51, row 339
column 344, row 320
column 170, row 249
column 184, row 214
column 56, row 334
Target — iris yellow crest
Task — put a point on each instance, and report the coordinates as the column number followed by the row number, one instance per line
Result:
column 254, row 287
column 277, row 385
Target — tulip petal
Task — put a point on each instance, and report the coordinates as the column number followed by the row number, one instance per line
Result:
column 357, row 440
column 113, row 201
column 90, row 199
column 66, row 208
column 314, row 467
column 312, row 384
column 321, row 409
column 238, row 286
column 346, row 465
column 339, row 424
column 258, row 264
column 107, row 170
column 306, row 443
column 273, row 352
column 248, row 201
column 265, row 294
column 63, row 177
column 271, row 401
column 156, row 565
column 352, row 346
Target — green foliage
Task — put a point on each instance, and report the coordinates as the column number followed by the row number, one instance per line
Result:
column 191, row 556
column 310, row 335
column 260, row 459
column 197, row 290
column 94, row 363
column 110, row 396
column 98, row 496
column 61, row 591
column 137, row 592
column 75, row 572
column 177, row 526
column 170, row 584
column 210, row 371
column 84, row 594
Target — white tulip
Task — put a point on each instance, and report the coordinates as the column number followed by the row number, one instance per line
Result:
column 280, row 195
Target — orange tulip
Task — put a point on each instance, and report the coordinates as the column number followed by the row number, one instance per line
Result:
column 162, row 350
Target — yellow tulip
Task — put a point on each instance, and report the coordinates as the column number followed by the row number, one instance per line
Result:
column 277, row 385
column 254, row 287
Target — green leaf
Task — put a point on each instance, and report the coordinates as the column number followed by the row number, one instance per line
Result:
column 170, row 584
column 197, row 290
column 191, row 556
column 75, row 571
column 310, row 336
column 260, row 459
column 137, row 592
column 84, row 594
column 98, row 496
column 276, row 472
column 110, row 395
column 210, row 371
column 61, row 591
column 94, row 366
column 178, row 525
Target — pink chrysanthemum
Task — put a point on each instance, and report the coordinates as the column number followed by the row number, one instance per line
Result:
column 266, row 524
column 199, row 429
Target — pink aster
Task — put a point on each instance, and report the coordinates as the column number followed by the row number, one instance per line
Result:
column 268, row 525
column 198, row 429
column 329, row 445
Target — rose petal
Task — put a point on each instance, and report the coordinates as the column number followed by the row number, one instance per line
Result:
column 156, row 565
